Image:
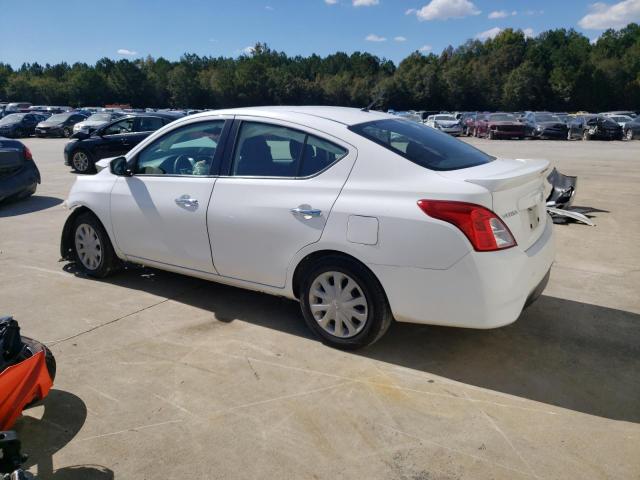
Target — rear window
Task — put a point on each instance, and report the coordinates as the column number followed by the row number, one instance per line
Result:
column 423, row 145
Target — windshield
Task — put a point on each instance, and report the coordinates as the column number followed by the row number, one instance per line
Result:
column 546, row 117
column 13, row 118
column 60, row 117
column 446, row 117
column 423, row 145
column 502, row 117
column 99, row 117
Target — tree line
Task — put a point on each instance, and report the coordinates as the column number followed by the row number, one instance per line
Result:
column 556, row 70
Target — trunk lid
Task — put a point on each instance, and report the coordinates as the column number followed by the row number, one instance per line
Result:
column 517, row 191
column 11, row 160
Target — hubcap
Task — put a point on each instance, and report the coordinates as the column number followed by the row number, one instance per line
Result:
column 88, row 246
column 629, row 134
column 338, row 304
column 80, row 161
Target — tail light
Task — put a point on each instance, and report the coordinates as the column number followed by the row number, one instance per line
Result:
column 27, row 154
column 482, row 227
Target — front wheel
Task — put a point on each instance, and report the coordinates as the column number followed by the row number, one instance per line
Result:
column 66, row 132
column 344, row 304
column 92, row 248
column 585, row 135
column 491, row 135
column 629, row 134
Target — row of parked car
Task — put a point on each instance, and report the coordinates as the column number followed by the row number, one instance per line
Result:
column 536, row 125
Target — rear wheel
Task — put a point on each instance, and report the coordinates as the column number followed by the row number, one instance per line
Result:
column 92, row 248
column 344, row 304
column 491, row 134
column 81, row 162
column 569, row 135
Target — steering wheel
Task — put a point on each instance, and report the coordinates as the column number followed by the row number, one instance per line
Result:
column 183, row 164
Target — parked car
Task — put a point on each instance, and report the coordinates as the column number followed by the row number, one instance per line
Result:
column 468, row 122
column 628, row 113
column 59, row 125
column 96, row 120
column 16, row 107
column 17, row 125
column 499, row 125
column 621, row 120
column 544, row 125
column 632, row 129
column 446, row 123
column 331, row 206
column 594, row 127
column 19, row 175
column 111, row 140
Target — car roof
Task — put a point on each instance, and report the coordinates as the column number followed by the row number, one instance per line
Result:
column 344, row 115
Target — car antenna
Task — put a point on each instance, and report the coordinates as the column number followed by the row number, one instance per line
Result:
column 373, row 103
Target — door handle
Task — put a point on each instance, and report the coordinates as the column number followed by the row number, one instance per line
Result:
column 186, row 201
column 306, row 212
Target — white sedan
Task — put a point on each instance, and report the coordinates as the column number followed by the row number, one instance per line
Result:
column 445, row 123
column 361, row 216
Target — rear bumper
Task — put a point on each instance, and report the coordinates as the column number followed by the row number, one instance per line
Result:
column 23, row 180
column 483, row 290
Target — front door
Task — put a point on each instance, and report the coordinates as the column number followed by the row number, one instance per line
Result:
column 280, row 186
column 159, row 213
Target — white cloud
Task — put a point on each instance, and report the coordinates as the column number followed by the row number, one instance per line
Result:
column 603, row 15
column 444, row 9
column 372, row 37
column 487, row 34
column 528, row 32
column 269, row 7
column 498, row 14
column 330, row 2
column 533, row 12
column 248, row 50
column 425, row 48
column 127, row 52
column 365, row 3
column 400, row 38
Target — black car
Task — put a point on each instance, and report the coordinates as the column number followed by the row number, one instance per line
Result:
column 543, row 125
column 111, row 140
column 19, row 175
column 17, row 125
column 59, row 125
column 594, row 127
column 632, row 129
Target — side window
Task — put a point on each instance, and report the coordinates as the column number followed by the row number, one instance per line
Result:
column 267, row 151
column 149, row 124
column 123, row 126
column 189, row 150
column 318, row 155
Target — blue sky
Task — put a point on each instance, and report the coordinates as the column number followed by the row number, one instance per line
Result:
column 79, row 30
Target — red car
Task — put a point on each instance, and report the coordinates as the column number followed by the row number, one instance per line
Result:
column 498, row 125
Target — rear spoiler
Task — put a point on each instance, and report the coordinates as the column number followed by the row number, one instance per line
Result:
column 526, row 171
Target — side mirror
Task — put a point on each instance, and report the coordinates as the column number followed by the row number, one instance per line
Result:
column 118, row 166
column 80, row 135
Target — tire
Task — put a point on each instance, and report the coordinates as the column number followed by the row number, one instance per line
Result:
column 92, row 249
column 82, row 162
column 629, row 134
column 585, row 135
column 371, row 303
column 66, row 132
column 490, row 134
column 569, row 137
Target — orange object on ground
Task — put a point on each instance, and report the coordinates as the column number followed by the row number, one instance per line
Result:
column 21, row 384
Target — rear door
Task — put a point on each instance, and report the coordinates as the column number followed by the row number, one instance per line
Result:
column 281, row 181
